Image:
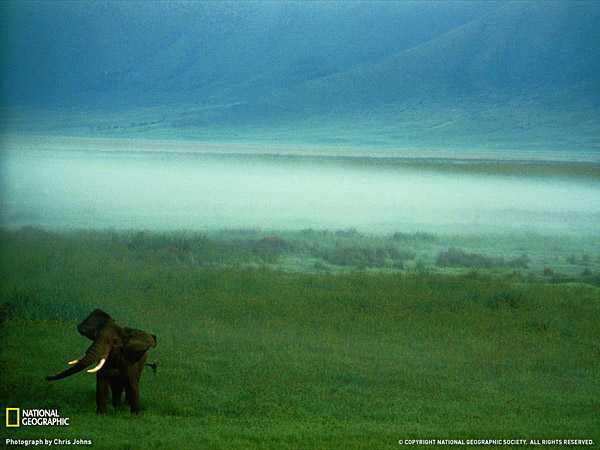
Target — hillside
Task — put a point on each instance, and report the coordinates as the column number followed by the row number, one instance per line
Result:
column 519, row 49
column 411, row 74
column 68, row 53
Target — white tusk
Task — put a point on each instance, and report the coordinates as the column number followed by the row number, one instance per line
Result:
column 98, row 367
column 75, row 361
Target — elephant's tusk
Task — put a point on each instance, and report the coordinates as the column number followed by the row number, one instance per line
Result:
column 98, row 367
column 75, row 361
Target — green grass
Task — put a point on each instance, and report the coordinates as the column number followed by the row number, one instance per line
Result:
column 256, row 357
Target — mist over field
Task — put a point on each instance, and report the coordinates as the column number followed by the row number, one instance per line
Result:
column 325, row 224
column 189, row 191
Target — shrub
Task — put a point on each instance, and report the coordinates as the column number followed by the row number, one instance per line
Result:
column 320, row 266
column 347, row 233
column 571, row 259
column 421, row 268
column 521, row 262
column 455, row 257
column 418, row 237
column 269, row 248
column 342, row 255
column 584, row 260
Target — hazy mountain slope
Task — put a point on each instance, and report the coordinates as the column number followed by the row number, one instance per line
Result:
column 482, row 74
column 133, row 52
column 522, row 48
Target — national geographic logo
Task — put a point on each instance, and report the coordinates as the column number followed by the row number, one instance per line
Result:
column 17, row 417
column 13, row 418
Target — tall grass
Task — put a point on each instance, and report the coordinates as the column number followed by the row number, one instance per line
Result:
column 252, row 357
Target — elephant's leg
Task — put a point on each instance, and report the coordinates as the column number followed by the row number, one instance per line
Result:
column 132, row 390
column 116, row 386
column 127, row 380
column 133, row 394
column 102, row 384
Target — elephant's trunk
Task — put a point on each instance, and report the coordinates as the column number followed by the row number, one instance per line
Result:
column 98, row 351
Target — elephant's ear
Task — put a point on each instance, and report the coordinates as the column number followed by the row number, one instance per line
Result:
column 136, row 343
column 93, row 324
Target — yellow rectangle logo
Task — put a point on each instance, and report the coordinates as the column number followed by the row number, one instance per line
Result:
column 13, row 423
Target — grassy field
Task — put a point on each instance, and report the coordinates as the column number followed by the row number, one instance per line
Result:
column 254, row 351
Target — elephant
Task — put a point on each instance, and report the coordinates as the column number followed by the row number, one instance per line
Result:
column 119, row 355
